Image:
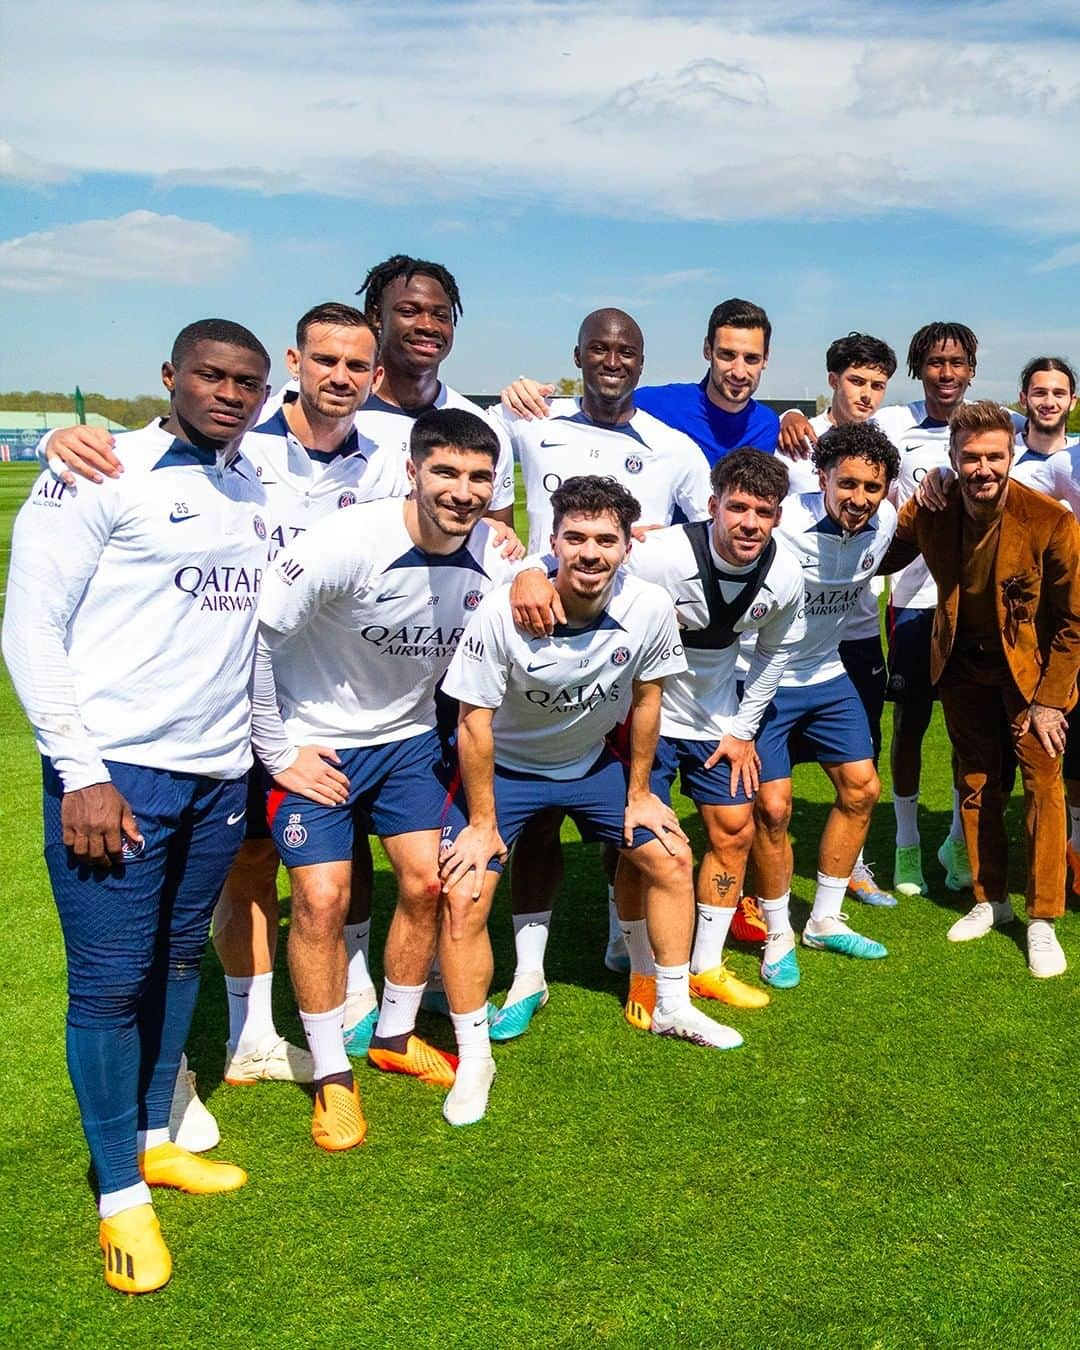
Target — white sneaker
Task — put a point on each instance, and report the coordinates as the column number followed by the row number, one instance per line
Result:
column 272, row 1059
column 467, row 1100
column 691, row 1024
column 1045, row 957
column 978, row 921
column 191, row 1125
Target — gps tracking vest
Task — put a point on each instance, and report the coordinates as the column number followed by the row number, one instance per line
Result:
column 723, row 614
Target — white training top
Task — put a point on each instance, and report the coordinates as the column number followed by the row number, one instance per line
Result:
column 302, row 485
column 836, row 569
column 360, row 624
column 558, row 697
column 131, row 612
column 388, row 427
column 663, row 468
column 1056, row 474
column 701, row 704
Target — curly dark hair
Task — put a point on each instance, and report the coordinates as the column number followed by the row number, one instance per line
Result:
column 857, row 440
column 588, row 494
column 754, row 471
column 860, row 349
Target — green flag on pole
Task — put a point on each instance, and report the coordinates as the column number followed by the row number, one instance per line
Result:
column 80, row 406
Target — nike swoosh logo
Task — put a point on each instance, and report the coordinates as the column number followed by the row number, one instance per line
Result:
column 481, row 1023
column 179, row 520
column 389, row 595
column 684, row 600
column 542, row 666
column 550, row 445
column 878, row 670
column 236, row 818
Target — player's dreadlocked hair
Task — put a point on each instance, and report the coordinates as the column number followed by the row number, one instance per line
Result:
column 926, row 337
column 401, row 265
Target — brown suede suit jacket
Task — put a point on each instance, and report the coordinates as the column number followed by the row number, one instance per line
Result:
column 1036, row 587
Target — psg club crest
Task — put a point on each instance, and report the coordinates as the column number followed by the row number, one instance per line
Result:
column 620, row 656
column 634, row 464
column 867, row 562
column 472, row 599
column 346, row 499
column 260, row 527
column 131, row 848
column 294, row 835
column 759, row 610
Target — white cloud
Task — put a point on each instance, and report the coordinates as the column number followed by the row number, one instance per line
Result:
column 1069, row 256
column 686, row 113
column 139, row 246
column 16, row 167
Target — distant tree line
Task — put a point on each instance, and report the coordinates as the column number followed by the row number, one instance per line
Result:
column 129, row 412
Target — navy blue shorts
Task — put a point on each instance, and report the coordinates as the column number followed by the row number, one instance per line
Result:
column 824, row 722
column 909, row 633
column 402, row 786
column 864, row 661
column 161, row 897
column 596, row 803
column 704, row 787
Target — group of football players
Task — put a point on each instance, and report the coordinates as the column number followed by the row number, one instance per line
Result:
column 258, row 632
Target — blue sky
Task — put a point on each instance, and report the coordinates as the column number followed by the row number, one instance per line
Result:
column 847, row 166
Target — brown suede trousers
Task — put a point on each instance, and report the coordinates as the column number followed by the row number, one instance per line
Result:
column 977, row 694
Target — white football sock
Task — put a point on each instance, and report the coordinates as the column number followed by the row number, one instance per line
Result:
column 357, row 1006
column 906, row 810
column 1074, row 827
column 672, row 988
column 614, row 926
column 471, row 1030
column 112, row 1202
column 956, row 829
column 397, row 1012
column 713, row 922
column 151, row 1138
column 326, row 1041
column 358, row 978
column 777, row 917
column 828, row 898
column 530, row 940
column 251, row 1015
column 635, row 934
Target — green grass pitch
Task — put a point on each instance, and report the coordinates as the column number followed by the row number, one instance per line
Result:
column 890, row 1161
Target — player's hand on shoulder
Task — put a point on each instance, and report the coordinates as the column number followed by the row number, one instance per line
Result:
column 526, row 398
column 535, row 603
column 743, row 758
column 505, row 539
column 936, row 488
column 797, row 438
column 84, row 452
column 312, row 774
column 96, row 820
column 647, row 812
column 638, row 532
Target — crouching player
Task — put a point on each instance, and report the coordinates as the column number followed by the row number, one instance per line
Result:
column 130, row 647
column 357, row 625
column 534, row 714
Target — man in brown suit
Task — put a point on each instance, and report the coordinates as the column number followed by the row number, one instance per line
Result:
column 1006, row 644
